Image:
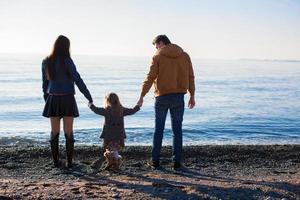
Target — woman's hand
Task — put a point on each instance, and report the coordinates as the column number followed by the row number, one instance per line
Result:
column 90, row 104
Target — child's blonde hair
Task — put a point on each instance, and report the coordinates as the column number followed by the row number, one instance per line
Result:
column 112, row 101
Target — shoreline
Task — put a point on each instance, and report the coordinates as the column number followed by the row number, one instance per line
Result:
column 212, row 172
column 28, row 142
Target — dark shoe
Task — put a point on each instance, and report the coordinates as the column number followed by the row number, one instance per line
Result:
column 177, row 166
column 54, row 148
column 70, row 149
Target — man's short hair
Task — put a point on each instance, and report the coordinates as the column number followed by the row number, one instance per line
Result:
column 161, row 38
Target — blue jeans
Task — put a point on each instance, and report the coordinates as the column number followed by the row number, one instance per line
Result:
column 174, row 103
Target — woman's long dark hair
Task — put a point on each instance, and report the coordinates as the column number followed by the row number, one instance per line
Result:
column 61, row 50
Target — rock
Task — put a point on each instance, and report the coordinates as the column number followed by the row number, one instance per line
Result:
column 247, row 182
column 10, row 165
column 113, row 189
column 167, row 190
column 137, row 164
column 257, row 188
column 5, row 198
column 75, row 190
column 33, row 188
column 115, row 195
column 46, row 184
column 25, row 194
column 157, row 184
column 89, row 193
column 269, row 198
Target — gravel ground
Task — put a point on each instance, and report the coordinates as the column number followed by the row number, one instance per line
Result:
column 211, row 172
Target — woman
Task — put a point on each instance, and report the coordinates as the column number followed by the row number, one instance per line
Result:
column 59, row 74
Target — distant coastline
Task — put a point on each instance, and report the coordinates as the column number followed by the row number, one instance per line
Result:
column 145, row 57
column 268, row 60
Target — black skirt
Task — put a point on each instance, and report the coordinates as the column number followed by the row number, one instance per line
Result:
column 60, row 106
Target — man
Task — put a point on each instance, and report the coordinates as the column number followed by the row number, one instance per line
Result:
column 172, row 73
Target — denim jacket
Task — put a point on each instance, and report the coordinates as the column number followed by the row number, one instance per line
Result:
column 62, row 84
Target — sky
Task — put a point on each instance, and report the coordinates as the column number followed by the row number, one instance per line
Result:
column 208, row 29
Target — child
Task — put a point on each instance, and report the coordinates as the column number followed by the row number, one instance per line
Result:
column 113, row 133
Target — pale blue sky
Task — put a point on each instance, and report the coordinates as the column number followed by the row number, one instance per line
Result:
column 266, row 29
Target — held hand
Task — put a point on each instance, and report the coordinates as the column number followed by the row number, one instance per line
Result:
column 90, row 104
column 140, row 102
column 191, row 103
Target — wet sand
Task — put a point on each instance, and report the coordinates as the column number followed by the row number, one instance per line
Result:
column 211, row 172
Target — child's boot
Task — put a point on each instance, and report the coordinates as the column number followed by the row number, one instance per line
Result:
column 109, row 159
column 118, row 161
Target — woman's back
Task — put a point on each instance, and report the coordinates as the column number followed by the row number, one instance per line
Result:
column 65, row 74
column 62, row 82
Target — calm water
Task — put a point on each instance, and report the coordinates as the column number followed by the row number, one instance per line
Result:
column 238, row 101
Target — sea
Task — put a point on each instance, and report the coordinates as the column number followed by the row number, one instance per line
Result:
column 238, row 102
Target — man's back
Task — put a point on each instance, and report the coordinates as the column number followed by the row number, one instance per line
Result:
column 171, row 72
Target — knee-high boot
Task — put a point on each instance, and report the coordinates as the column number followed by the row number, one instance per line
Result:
column 69, row 148
column 54, row 148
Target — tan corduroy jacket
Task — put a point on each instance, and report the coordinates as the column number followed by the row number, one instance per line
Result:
column 171, row 71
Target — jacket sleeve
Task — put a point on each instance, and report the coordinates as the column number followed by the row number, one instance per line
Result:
column 78, row 80
column 151, row 76
column 131, row 111
column 97, row 110
column 191, row 88
column 45, row 81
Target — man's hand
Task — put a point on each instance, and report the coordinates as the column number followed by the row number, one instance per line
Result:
column 140, row 102
column 191, row 103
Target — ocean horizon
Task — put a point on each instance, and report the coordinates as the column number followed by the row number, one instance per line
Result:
column 242, row 101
